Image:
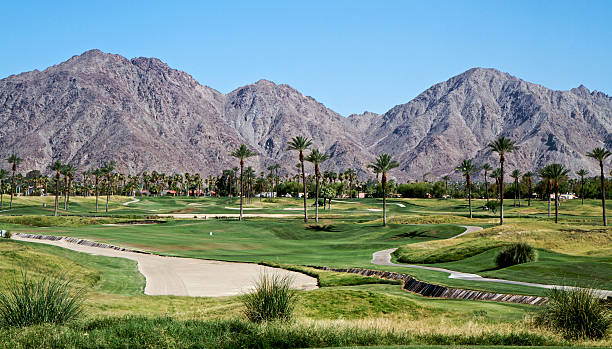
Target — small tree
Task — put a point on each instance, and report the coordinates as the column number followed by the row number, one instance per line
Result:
column 467, row 168
column 242, row 153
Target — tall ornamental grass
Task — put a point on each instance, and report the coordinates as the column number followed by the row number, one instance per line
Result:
column 516, row 253
column 273, row 299
column 576, row 313
column 30, row 301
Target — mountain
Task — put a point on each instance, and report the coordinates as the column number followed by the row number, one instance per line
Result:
column 458, row 118
column 147, row 116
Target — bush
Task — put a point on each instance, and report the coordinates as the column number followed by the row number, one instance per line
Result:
column 272, row 299
column 575, row 313
column 31, row 301
column 517, row 253
column 7, row 234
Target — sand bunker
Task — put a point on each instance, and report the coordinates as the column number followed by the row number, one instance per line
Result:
column 188, row 276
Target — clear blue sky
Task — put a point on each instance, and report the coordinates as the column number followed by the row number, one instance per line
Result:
column 350, row 55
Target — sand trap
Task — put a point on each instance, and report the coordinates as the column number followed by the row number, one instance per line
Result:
column 294, row 209
column 187, row 276
column 232, row 215
column 375, row 209
column 244, row 208
column 392, row 203
column 345, row 202
column 194, row 204
column 134, row 200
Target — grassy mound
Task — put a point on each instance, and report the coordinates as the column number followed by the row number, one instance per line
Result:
column 427, row 253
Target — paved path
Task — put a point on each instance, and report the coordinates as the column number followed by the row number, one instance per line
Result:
column 134, row 200
column 384, row 258
column 233, row 215
column 189, row 276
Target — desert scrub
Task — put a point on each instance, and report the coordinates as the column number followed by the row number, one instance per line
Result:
column 272, row 299
column 516, row 253
column 576, row 313
column 28, row 301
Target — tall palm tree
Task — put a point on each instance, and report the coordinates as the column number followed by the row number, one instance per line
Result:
column 383, row 164
column 108, row 169
column 70, row 171
column 274, row 168
column 486, row 168
column 557, row 173
column 496, row 174
column 242, row 153
column 528, row 177
column 57, row 167
column 350, row 175
column 316, row 158
column 600, row 154
column 502, row 146
column 467, row 168
column 97, row 173
column 3, row 174
column 516, row 174
column 582, row 172
column 544, row 173
column 14, row 160
column 445, row 179
column 300, row 144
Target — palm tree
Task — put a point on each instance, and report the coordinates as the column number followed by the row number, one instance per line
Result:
column 107, row 170
column 467, row 168
column 582, row 172
column 70, row 170
column 300, row 144
column 446, row 179
column 528, row 177
column 544, row 173
column 14, row 160
column 600, row 154
column 557, row 173
column 496, row 174
column 274, row 168
column 350, row 175
column 57, row 167
column 516, row 174
column 316, row 158
column 502, row 146
column 3, row 174
column 97, row 173
column 486, row 168
column 242, row 153
column 383, row 164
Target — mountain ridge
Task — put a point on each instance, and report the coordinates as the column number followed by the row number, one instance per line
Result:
column 147, row 116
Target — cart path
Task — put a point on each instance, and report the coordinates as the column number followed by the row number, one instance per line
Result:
column 383, row 257
column 177, row 276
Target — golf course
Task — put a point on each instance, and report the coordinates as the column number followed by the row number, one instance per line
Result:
column 338, row 308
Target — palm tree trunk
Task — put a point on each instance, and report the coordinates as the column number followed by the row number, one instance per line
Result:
column 603, row 193
column 317, row 193
column 241, row 166
column 501, row 191
column 13, row 186
column 529, row 194
column 469, row 188
column 384, row 190
column 304, row 185
column 582, row 191
column 487, row 187
column 108, row 187
column 68, row 192
column 548, row 193
column 97, row 194
column 57, row 180
column 1, row 195
column 556, row 201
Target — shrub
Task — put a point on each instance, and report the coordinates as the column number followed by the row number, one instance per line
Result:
column 516, row 253
column 7, row 234
column 575, row 313
column 492, row 206
column 272, row 299
column 32, row 301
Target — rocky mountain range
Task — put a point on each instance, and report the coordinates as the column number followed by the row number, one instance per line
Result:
column 147, row 116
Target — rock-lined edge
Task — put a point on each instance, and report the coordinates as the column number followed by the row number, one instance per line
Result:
column 425, row 289
column 78, row 242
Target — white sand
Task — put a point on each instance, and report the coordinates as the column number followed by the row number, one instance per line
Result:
column 190, row 277
column 213, row 215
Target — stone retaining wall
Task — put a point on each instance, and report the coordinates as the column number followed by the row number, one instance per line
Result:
column 78, row 242
column 430, row 290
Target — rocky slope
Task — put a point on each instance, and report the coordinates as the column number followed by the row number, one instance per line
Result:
column 147, row 116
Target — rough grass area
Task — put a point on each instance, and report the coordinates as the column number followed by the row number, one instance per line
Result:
column 139, row 332
column 68, row 221
column 330, row 278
